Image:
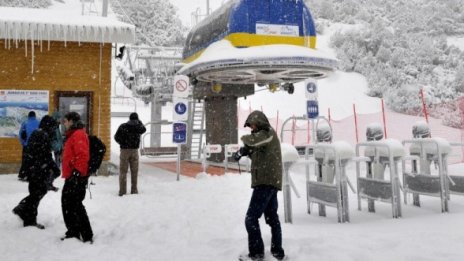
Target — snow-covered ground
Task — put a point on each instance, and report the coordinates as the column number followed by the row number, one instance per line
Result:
column 203, row 219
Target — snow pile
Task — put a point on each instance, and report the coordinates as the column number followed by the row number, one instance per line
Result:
column 374, row 131
column 224, row 51
column 45, row 25
column 421, row 129
column 125, row 74
column 341, row 149
column 324, row 133
column 289, row 153
column 430, row 146
column 384, row 148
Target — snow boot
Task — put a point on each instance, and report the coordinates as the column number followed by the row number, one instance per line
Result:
column 18, row 211
column 250, row 257
column 67, row 236
column 280, row 255
column 34, row 224
column 52, row 188
column 90, row 241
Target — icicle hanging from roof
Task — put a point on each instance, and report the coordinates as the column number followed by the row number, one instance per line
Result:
column 33, row 24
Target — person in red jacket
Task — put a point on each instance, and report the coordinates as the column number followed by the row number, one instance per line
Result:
column 75, row 172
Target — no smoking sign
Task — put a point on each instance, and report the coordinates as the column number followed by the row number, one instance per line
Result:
column 181, row 86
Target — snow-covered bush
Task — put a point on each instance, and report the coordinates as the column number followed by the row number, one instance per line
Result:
column 26, row 3
column 405, row 99
column 459, row 79
column 401, row 46
column 156, row 21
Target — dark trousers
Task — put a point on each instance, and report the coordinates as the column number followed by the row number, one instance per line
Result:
column 55, row 174
column 128, row 158
column 263, row 200
column 74, row 213
column 27, row 208
column 22, row 171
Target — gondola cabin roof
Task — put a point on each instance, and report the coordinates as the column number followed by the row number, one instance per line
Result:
column 46, row 25
column 247, row 23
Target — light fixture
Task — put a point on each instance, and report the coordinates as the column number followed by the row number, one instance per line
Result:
column 273, row 87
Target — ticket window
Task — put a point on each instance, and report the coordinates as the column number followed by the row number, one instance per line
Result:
column 78, row 102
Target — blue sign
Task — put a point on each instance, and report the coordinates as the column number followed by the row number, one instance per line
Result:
column 180, row 108
column 311, row 87
column 312, row 109
column 179, row 132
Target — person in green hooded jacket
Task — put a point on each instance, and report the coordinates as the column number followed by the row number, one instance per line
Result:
column 263, row 147
column 57, row 148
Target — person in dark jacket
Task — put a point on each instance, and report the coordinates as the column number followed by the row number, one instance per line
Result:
column 75, row 172
column 57, row 148
column 263, row 147
column 128, row 137
column 27, row 127
column 39, row 164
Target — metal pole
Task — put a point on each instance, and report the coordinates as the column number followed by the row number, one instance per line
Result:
column 287, row 195
column 178, row 161
column 384, row 121
column 355, row 122
column 226, row 158
column 207, row 7
column 424, row 106
column 105, row 8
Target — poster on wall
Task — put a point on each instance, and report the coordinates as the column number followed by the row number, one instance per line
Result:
column 14, row 107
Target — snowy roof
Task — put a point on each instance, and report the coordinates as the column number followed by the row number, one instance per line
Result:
column 42, row 24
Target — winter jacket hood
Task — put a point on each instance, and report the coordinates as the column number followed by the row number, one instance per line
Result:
column 259, row 119
column 56, row 115
column 266, row 156
column 49, row 125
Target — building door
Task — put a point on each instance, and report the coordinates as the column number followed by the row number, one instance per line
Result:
column 79, row 102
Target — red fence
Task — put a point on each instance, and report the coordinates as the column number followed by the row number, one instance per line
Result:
column 399, row 126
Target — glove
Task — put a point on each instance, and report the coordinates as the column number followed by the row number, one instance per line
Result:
column 243, row 151
column 76, row 173
column 236, row 156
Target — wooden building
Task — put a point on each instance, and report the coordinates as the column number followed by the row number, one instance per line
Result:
column 68, row 58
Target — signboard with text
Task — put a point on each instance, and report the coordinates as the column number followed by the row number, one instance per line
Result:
column 312, row 109
column 15, row 106
column 179, row 133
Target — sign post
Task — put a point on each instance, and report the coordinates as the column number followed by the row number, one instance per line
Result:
column 179, row 136
column 312, row 105
column 181, row 92
column 179, row 99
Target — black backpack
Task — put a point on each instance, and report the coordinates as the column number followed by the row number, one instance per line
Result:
column 97, row 152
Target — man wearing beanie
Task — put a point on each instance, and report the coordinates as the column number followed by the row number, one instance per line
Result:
column 76, row 156
column 128, row 138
